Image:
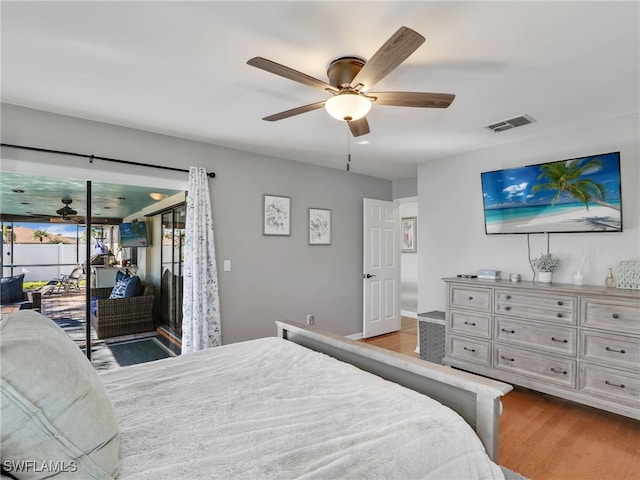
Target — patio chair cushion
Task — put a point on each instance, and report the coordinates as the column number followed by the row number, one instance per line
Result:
column 127, row 287
column 54, row 405
column 121, row 274
column 11, row 289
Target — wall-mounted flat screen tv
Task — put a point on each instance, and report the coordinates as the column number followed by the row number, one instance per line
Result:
column 575, row 195
column 133, row 234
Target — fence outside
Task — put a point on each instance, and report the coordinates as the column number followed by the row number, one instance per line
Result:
column 42, row 261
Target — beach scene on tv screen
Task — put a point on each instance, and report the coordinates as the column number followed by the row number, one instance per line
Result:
column 576, row 195
column 133, row 234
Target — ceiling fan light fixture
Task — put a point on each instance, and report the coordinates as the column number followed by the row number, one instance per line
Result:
column 348, row 106
column 158, row 196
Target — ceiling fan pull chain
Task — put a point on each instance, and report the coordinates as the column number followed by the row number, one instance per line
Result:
column 348, row 147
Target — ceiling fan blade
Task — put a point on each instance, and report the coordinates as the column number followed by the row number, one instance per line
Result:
column 291, row 74
column 294, row 111
column 412, row 99
column 394, row 51
column 359, row 127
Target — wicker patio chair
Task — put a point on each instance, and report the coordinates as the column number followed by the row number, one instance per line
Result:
column 122, row 316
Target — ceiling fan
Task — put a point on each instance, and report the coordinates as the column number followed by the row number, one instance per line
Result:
column 350, row 81
column 66, row 212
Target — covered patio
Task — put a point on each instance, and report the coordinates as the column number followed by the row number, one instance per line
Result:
column 67, row 309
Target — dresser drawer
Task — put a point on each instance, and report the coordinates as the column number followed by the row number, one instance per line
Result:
column 609, row 349
column 555, row 370
column 469, row 350
column 471, row 298
column 468, row 323
column 617, row 315
column 610, row 384
column 562, row 340
column 551, row 308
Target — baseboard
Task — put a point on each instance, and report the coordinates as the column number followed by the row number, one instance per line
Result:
column 406, row 313
column 355, row 336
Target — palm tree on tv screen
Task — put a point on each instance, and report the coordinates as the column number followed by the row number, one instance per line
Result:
column 568, row 177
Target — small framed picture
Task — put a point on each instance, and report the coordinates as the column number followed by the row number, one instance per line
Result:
column 276, row 215
column 408, row 232
column 319, row 226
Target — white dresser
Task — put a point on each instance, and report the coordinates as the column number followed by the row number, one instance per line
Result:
column 581, row 343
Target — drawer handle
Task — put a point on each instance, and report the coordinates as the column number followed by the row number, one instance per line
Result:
column 472, row 350
column 507, row 331
column 507, row 308
column 560, row 315
column 619, row 385
column 470, row 323
column 560, row 302
column 557, row 370
column 506, row 358
column 615, row 315
column 609, row 349
column 469, row 298
column 559, row 340
column 508, row 297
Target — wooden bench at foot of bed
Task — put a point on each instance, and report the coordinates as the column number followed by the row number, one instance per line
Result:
column 475, row 398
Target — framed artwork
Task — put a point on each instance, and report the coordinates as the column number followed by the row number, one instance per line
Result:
column 408, row 231
column 319, row 226
column 276, row 215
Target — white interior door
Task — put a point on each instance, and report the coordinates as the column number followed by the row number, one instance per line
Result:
column 381, row 275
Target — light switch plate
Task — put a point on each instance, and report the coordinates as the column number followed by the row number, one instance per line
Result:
column 227, row 265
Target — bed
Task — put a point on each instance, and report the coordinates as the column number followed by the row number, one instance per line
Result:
column 298, row 405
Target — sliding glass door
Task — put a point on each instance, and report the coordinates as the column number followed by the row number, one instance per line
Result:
column 172, row 257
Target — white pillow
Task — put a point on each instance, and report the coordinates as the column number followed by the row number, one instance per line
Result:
column 56, row 414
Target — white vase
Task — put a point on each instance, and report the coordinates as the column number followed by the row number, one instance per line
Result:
column 578, row 279
column 545, row 277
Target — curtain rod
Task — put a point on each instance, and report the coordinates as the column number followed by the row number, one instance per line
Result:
column 106, row 159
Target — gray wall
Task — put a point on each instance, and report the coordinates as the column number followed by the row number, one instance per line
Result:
column 407, row 187
column 451, row 237
column 271, row 277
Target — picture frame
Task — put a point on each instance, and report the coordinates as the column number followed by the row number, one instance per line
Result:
column 319, row 226
column 276, row 215
column 408, row 232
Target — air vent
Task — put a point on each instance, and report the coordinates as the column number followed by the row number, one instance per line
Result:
column 511, row 123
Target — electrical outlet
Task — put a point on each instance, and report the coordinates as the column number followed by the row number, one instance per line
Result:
column 310, row 319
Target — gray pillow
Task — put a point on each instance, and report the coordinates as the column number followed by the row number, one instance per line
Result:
column 55, row 410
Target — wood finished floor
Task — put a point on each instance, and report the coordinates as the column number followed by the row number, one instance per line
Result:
column 547, row 438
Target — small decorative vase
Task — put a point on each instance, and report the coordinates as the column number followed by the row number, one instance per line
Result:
column 545, row 277
column 578, row 279
column 610, row 281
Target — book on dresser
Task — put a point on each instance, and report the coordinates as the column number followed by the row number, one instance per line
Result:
column 581, row 343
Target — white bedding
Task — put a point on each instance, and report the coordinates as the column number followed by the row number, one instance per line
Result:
column 269, row 408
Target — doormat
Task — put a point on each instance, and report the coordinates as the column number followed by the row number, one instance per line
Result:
column 129, row 352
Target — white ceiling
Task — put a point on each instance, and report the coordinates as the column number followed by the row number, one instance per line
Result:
column 179, row 68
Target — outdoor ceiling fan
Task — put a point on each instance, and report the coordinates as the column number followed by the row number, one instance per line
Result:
column 66, row 212
column 350, row 81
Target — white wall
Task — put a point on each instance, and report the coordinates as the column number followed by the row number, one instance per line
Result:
column 451, row 237
column 271, row 278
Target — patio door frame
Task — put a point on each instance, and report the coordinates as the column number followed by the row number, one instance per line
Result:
column 173, row 221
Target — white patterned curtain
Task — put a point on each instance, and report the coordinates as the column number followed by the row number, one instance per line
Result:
column 200, row 302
